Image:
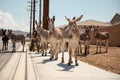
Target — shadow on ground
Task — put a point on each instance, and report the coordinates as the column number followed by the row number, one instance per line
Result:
column 65, row 67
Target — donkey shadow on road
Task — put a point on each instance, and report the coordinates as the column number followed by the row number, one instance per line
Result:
column 65, row 67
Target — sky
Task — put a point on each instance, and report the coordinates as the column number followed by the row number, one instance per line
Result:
column 14, row 14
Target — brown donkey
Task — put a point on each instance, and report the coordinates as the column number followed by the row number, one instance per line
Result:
column 85, row 39
column 99, row 38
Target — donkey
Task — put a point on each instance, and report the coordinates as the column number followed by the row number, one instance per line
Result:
column 99, row 38
column 55, row 38
column 73, row 34
column 35, row 42
column 5, row 40
column 43, row 36
column 16, row 38
column 85, row 38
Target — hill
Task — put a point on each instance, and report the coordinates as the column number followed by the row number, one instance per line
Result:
column 17, row 32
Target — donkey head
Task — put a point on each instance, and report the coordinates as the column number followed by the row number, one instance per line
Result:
column 9, row 33
column 51, row 24
column 87, row 31
column 3, row 32
column 72, row 25
column 38, row 26
column 96, row 29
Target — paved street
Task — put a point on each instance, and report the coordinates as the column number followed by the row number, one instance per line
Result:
column 6, row 55
column 31, row 66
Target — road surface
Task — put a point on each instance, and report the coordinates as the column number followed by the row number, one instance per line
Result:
column 30, row 66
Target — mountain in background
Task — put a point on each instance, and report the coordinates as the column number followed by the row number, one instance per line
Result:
column 16, row 32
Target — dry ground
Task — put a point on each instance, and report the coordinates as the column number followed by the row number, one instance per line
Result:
column 108, row 61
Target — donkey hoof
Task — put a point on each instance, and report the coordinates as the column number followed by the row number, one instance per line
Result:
column 62, row 61
column 71, row 61
column 51, row 58
column 76, row 64
column 42, row 54
column 56, row 58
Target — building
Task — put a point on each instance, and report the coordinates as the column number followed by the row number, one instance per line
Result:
column 116, row 19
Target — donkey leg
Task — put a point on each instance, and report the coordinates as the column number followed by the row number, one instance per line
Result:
column 100, row 46
column 23, row 43
column 7, row 45
column 14, row 47
column 80, row 48
column 88, row 46
column 52, row 54
column 97, row 46
column 62, row 57
column 85, row 52
column 3, row 46
column 76, row 63
column 70, row 58
column 107, row 45
column 46, row 48
column 56, row 53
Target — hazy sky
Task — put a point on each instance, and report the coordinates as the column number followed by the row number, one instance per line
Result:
column 14, row 14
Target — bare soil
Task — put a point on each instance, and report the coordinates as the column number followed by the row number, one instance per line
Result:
column 108, row 61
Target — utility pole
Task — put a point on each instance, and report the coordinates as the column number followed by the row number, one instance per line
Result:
column 31, row 16
column 34, row 9
column 45, row 14
column 40, row 11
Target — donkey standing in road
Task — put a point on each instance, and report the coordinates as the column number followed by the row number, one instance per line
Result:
column 99, row 38
column 55, row 38
column 16, row 38
column 85, row 39
column 43, row 36
column 5, row 40
column 73, row 34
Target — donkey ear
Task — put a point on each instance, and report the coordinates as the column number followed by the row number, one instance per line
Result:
column 48, row 18
column 2, row 30
column 36, row 22
column 67, row 19
column 74, row 18
column 79, row 18
column 11, row 30
column 53, row 18
column 97, row 27
column 85, row 27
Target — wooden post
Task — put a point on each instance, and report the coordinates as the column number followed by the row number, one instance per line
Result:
column 34, row 2
column 31, row 9
column 40, row 11
column 45, row 14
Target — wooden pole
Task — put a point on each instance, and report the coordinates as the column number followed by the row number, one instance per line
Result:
column 34, row 2
column 45, row 14
column 31, row 19
column 40, row 11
